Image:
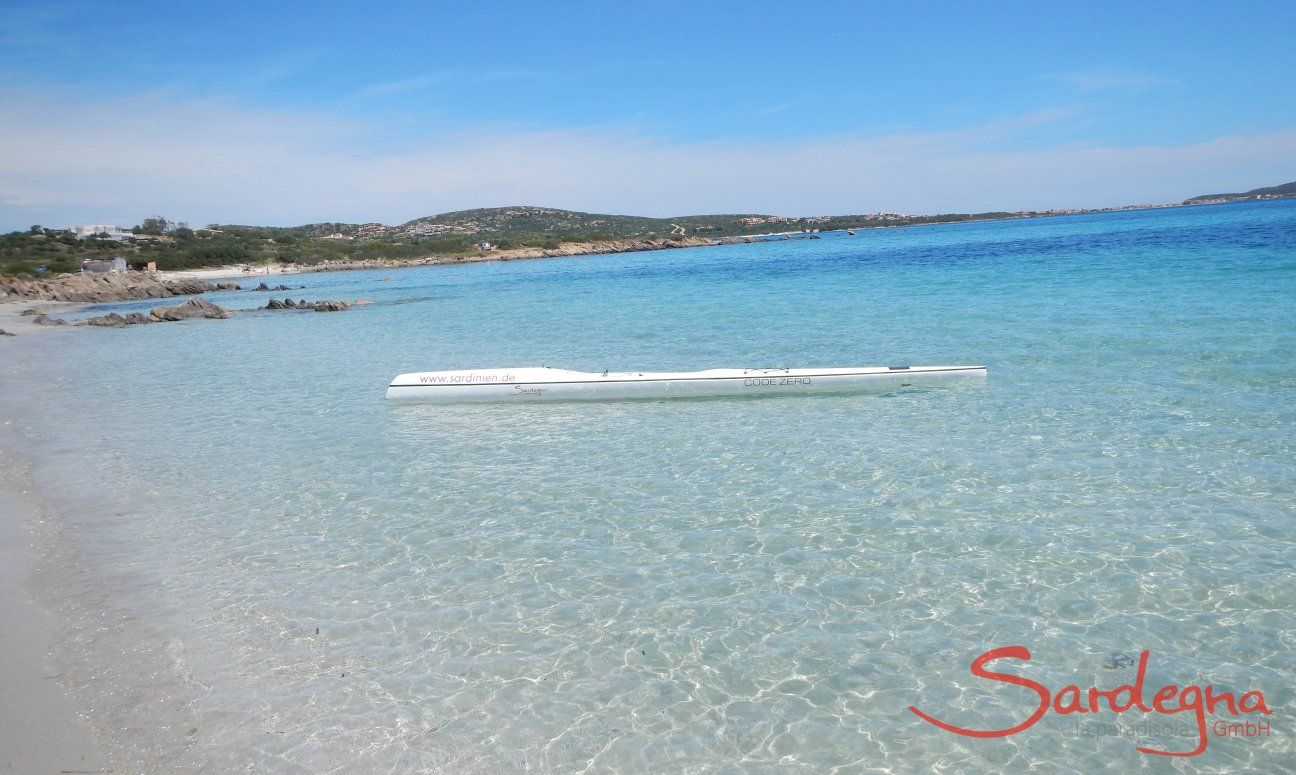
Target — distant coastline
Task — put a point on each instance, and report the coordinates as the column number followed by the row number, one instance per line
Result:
column 69, row 288
column 1285, row 191
column 79, row 288
column 489, row 234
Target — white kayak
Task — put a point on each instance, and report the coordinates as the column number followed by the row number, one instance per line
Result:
column 544, row 383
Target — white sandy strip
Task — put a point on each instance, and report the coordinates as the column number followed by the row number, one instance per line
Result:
column 40, row 730
column 13, row 321
column 228, row 272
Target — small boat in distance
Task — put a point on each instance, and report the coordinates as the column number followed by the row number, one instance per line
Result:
column 544, row 383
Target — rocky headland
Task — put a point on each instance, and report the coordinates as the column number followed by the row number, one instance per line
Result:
column 99, row 288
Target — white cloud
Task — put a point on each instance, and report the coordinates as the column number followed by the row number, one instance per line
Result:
column 443, row 77
column 1109, row 79
column 66, row 160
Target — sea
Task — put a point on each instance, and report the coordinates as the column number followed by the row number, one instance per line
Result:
column 257, row 563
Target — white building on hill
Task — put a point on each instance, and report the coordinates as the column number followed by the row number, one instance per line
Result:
column 101, row 229
column 103, row 265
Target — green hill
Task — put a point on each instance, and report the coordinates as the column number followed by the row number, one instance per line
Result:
column 176, row 246
column 1272, row 192
column 522, row 221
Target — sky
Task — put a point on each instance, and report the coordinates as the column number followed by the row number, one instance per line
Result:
column 283, row 113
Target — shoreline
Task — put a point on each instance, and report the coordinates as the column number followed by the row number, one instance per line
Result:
column 565, row 250
column 74, row 662
column 13, row 321
column 133, row 285
column 42, row 728
column 572, row 249
column 263, row 272
column 606, row 247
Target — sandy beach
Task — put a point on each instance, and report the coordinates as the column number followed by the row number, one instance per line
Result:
column 106, row 287
column 13, row 321
column 232, row 272
column 566, row 249
column 41, row 728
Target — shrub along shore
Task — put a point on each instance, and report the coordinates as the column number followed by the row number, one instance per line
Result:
column 136, row 284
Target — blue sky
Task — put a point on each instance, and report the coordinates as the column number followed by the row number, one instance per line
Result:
column 294, row 112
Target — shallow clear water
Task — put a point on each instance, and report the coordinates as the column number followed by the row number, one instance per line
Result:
column 694, row 585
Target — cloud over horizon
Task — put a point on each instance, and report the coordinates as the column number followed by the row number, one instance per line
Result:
column 66, row 159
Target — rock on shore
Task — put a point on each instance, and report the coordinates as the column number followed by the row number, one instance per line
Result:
column 98, row 288
column 113, row 320
column 193, row 308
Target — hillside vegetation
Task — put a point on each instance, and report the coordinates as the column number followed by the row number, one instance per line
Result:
column 499, row 224
column 1271, row 192
column 175, row 246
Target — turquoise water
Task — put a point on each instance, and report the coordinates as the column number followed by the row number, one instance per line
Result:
column 334, row 583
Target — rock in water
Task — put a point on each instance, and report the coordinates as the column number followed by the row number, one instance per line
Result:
column 111, row 320
column 319, row 306
column 46, row 320
column 188, row 287
column 30, row 313
column 194, row 308
column 6, row 333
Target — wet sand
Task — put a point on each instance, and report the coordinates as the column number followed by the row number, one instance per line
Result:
column 40, row 727
column 13, row 321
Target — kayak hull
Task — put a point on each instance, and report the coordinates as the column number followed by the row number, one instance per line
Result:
column 548, row 384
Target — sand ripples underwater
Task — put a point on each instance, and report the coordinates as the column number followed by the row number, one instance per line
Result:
column 343, row 585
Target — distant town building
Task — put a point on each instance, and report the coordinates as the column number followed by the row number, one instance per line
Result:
column 371, row 230
column 485, row 246
column 101, row 230
column 433, row 229
column 114, row 264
